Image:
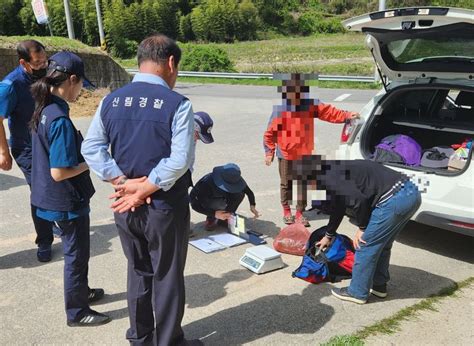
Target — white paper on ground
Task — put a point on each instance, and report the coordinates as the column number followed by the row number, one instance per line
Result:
column 206, row 245
column 227, row 239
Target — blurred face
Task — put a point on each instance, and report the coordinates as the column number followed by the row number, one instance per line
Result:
column 294, row 92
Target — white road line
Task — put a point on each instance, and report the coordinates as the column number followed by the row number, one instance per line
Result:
column 342, row 97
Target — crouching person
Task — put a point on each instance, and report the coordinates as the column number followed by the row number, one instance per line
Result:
column 379, row 200
column 61, row 185
column 218, row 194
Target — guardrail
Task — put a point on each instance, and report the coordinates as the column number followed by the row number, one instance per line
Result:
column 231, row 75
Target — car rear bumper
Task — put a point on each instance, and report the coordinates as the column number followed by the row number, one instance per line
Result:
column 462, row 225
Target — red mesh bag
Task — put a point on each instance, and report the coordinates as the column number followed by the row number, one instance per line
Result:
column 292, row 240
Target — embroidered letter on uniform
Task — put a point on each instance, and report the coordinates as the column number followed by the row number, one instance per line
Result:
column 128, row 101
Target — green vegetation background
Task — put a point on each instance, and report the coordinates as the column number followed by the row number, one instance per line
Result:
column 219, row 35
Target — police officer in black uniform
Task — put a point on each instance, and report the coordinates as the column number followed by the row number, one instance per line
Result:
column 150, row 131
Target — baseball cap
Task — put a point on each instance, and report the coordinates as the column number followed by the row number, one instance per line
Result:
column 203, row 125
column 69, row 63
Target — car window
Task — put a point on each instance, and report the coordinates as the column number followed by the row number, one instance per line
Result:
column 442, row 49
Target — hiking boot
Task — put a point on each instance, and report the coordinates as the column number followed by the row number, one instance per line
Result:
column 95, row 294
column 379, row 290
column 288, row 219
column 302, row 220
column 343, row 294
column 91, row 319
column 210, row 224
column 44, row 252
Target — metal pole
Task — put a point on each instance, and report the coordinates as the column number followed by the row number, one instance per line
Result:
column 70, row 28
column 381, row 5
column 376, row 74
column 50, row 30
column 101, row 28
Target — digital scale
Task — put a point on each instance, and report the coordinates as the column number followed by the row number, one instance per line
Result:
column 261, row 259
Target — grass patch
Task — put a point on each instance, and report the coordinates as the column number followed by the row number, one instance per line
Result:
column 391, row 324
column 343, row 54
column 270, row 82
column 52, row 43
column 345, row 340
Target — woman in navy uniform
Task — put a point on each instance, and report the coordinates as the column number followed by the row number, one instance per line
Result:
column 61, row 185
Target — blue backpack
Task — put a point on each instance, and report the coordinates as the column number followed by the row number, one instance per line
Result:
column 333, row 264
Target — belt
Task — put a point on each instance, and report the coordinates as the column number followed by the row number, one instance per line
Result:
column 390, row 193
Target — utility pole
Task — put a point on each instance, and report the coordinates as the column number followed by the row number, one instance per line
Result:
column 70, row 27
column 101, row 27
column 376, row 73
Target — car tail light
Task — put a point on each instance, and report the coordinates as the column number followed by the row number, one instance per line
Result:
column 462, row 224
column 350, row 128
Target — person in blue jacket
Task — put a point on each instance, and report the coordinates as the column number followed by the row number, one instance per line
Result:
column 61, row 185
column 17, row 105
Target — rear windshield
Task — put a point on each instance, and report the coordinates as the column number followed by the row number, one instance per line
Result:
column 442, row 50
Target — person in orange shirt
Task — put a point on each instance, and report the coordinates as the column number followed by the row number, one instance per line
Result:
column 290, row 134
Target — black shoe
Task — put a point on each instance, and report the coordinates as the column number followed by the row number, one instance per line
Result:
column 343, row 294
column 44, row 252
column 91, row 319
column 379, row 291
column 95, row 294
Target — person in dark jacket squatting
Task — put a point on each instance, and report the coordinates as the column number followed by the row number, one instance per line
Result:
column 218, row 194
column 380, row 200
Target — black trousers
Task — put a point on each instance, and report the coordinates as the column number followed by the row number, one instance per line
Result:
column 76, row 246
column 155, row 243
column 44, row 228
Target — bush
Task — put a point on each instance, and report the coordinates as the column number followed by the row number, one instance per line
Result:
column 124, row 48
column 312, row 22
column 205, row 59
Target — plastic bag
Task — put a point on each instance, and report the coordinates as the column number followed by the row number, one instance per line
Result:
column 292, row 240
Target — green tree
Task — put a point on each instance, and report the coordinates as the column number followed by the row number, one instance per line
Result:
column 248, row 21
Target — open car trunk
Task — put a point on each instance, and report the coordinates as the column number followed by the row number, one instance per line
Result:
column 432, row 115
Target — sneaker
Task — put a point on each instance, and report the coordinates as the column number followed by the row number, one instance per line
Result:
column 210, row 224
column 379, row 290
column 343, row 294
column 288, row 219
column 304, row 221
column 95, row 294
column 91, row 319
column 44, row 252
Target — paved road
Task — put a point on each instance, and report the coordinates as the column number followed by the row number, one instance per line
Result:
column 225, row 303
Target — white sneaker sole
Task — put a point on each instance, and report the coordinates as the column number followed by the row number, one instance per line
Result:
column 378, row 294
column 349, row 299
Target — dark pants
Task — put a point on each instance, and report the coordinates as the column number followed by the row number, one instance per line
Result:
column 155, row 244
column 286, row 186
column 44, row 228
column 233, row 203
column 76, row 246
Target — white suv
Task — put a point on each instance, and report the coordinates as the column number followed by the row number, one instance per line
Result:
column 425, row 57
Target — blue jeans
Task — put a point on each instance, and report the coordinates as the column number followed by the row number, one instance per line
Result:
column 387, row 220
